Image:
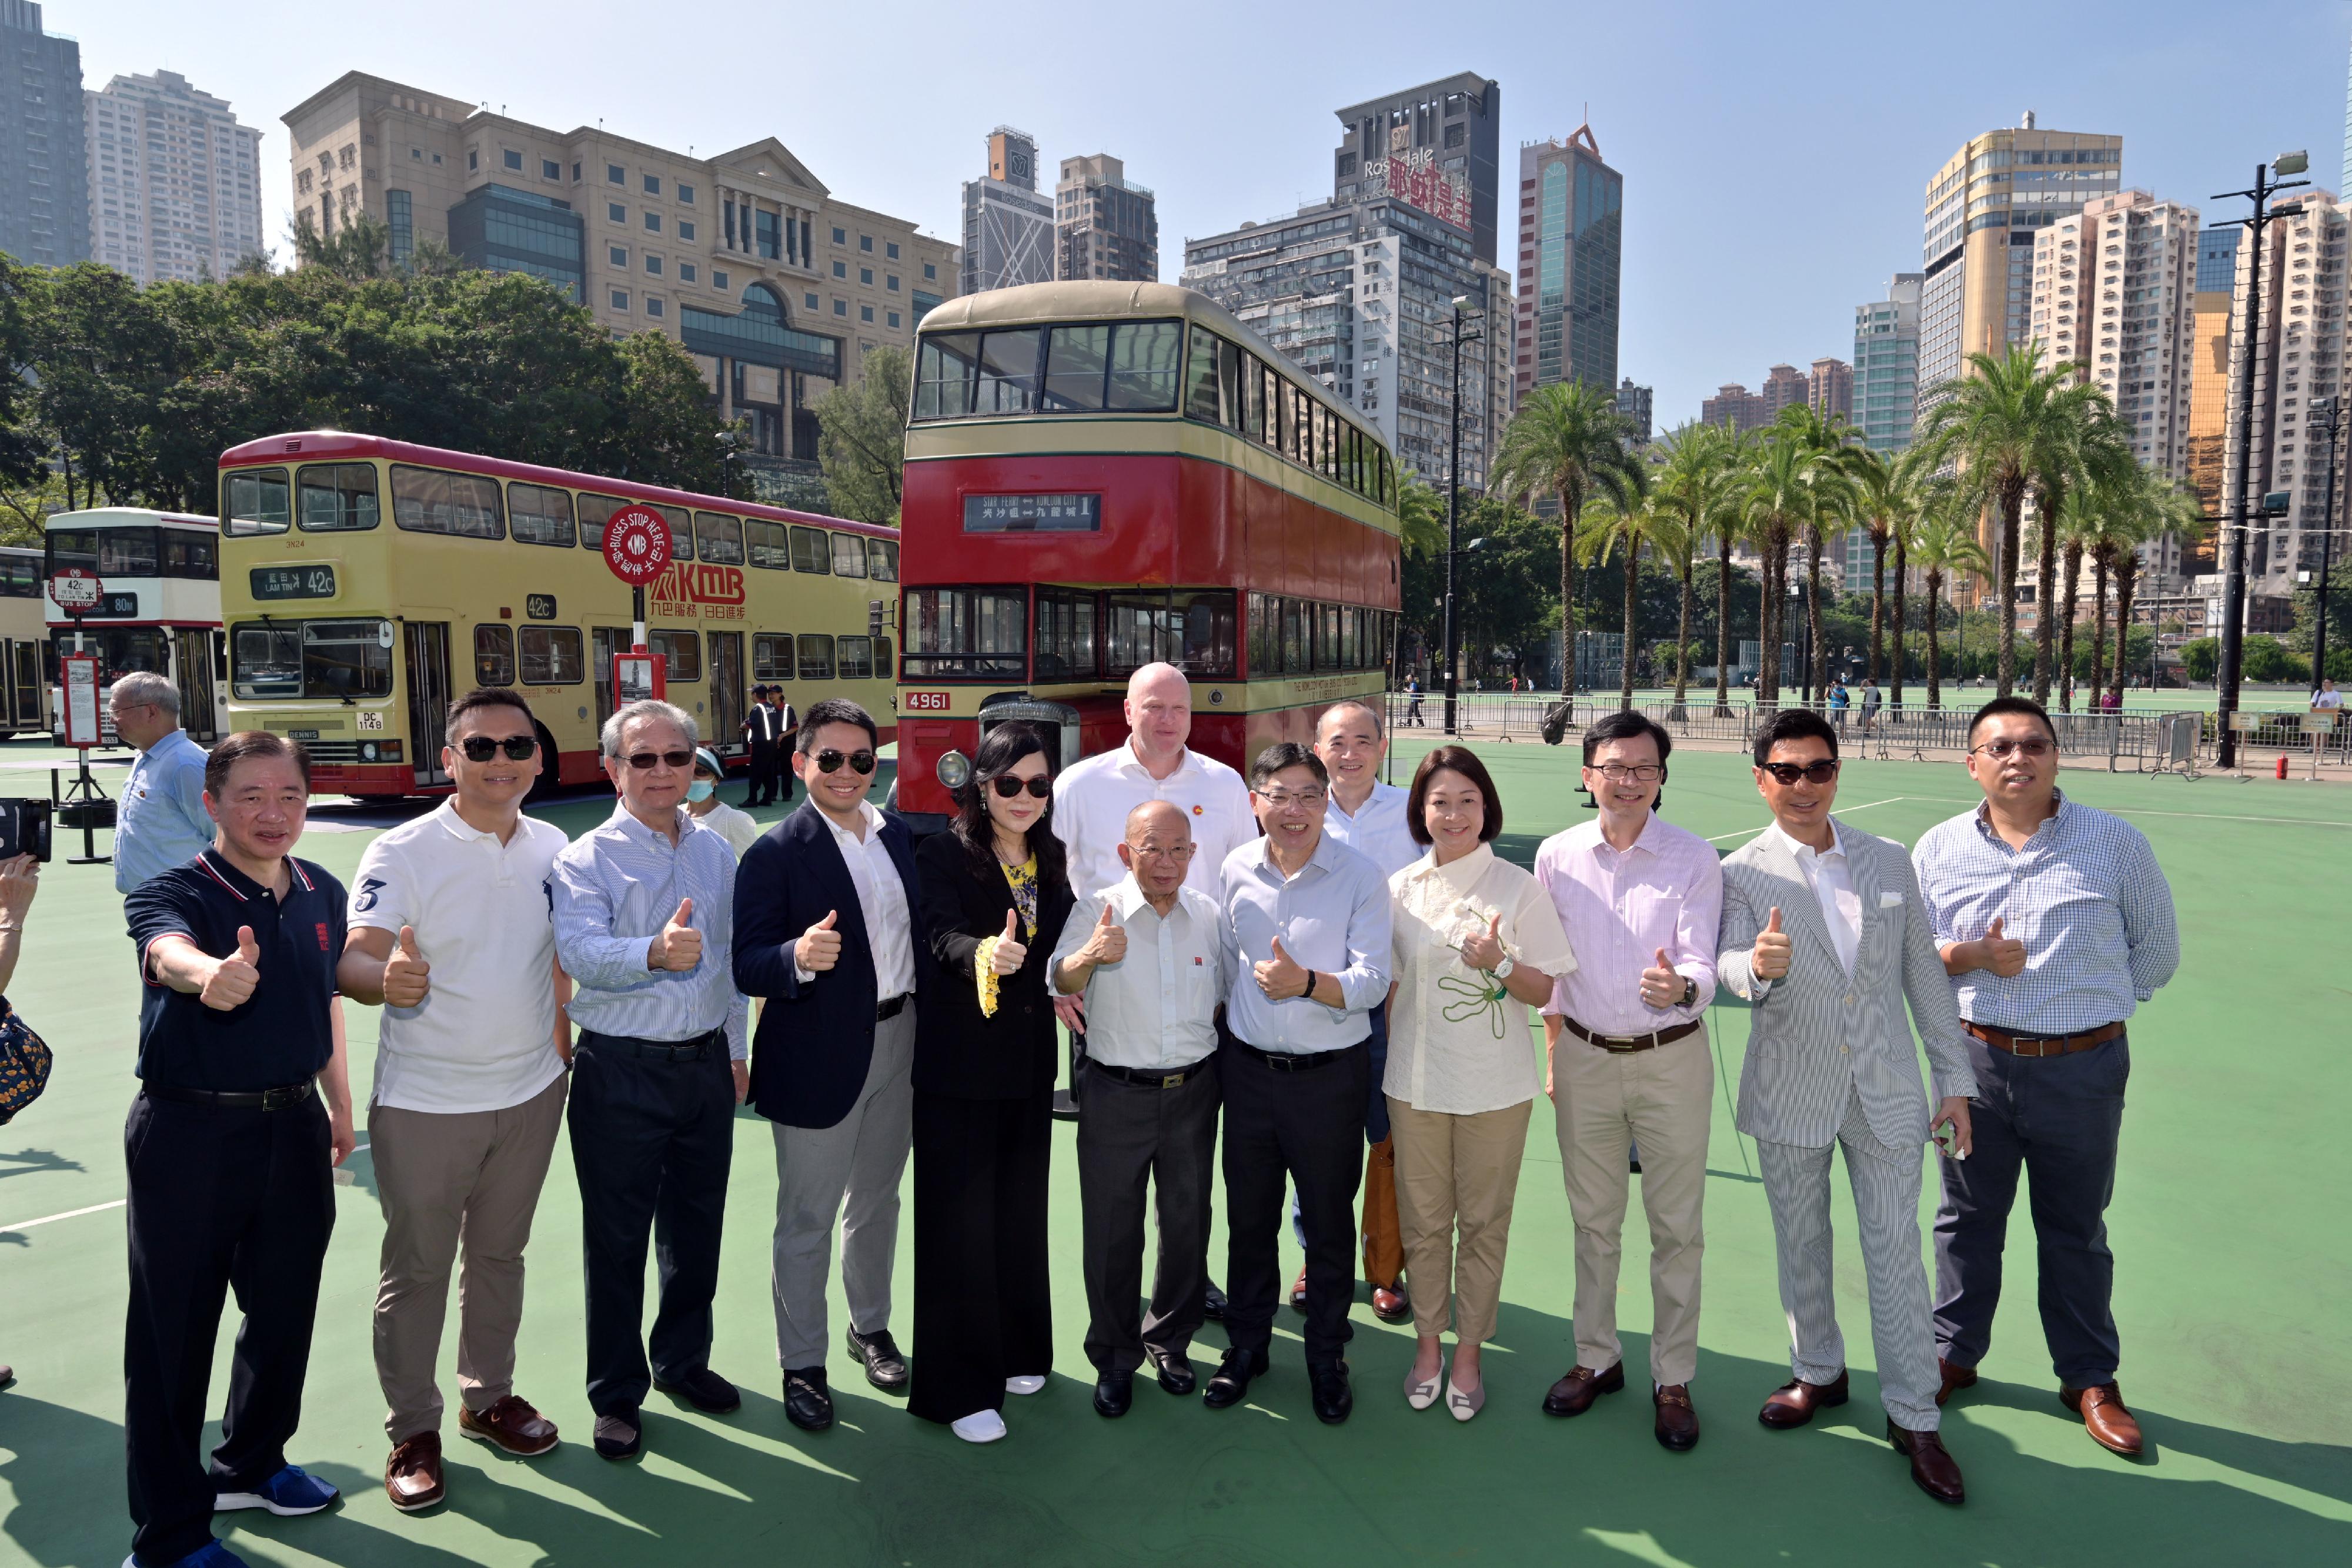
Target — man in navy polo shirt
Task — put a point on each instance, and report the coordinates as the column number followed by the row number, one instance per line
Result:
column 230, row 1152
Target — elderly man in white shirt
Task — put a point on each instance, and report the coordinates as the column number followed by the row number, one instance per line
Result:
column 1147, row 956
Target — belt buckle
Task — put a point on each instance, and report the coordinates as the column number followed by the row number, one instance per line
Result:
column 278, row 1099
column 1172, row 1079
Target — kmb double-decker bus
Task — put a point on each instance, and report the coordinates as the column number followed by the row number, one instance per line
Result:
column 24, row 630
column 1103, row 475
column 159, row 607
column 368, row 583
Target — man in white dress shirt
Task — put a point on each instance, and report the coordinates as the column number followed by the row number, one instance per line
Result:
column 1093, row 798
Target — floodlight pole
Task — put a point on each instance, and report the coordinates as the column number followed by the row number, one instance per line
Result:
column 2333, row 408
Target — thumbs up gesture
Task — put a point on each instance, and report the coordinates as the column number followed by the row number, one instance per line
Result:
column 406, row 973
column 1108, row 942
column 1281, row 976
column 679, row 946
column 819, row 948
column 1484, row 949
column 231, row 983
column 1771, row 960
column 2004, row 956
column 1008, row 953
column 1661, row 986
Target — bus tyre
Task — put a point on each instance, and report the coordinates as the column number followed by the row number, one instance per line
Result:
column 544, row 786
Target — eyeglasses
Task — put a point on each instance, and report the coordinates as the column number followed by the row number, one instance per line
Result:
column 1283, row 800
column 1820, row 772
column 1008, row 788
column 830, row 760
column 2032, row 745
column 482, row 748
column 1641, row 773
column 1172, row 851
column 644, row 761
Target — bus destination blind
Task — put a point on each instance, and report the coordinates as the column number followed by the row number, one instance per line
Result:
column 293, row 582
column 1050, row 514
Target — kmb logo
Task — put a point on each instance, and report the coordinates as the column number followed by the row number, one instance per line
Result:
column 692, row 582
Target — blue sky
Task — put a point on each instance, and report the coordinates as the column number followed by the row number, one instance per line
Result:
column 1774, row 155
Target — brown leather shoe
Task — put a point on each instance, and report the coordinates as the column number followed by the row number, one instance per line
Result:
column 1678, row 1425
column 1932, row 1465
column 2111, row 1426
column 512, row 1425
column 411, row 1477
column 1793, row 1402
column 1574, row 1394
column 1955, row 1379
column 1391, row 1305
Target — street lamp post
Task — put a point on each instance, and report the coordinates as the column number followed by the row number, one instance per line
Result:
column 1453, row 512
column 2330, row 412
column 2233, row 578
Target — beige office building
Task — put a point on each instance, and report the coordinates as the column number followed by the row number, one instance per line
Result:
column 779, row 288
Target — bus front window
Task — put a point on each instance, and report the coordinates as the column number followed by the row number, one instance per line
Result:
column 345, row 659
column 966, row 634
column 121, row 649
column 255, row 501
column 266, row 661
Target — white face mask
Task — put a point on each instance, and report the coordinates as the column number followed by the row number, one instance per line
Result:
column 700, row 790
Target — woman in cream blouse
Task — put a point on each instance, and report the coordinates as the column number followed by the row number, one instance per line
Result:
column 1477, row 943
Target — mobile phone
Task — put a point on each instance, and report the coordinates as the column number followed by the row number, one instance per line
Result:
column 24, row 829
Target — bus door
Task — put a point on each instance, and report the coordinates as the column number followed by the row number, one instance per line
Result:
column 428, row 697
column 20, row 681
column 609, row 641
column 192, row 660
column 726, row 692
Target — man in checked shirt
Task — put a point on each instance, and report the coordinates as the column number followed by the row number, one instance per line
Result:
column 2054, row 922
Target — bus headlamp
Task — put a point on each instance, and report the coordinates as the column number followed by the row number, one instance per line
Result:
column 954, row 770
column 367, row 751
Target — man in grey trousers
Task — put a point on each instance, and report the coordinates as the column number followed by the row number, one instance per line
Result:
column 1826, row 938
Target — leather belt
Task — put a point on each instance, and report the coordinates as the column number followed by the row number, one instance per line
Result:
column 2044, row 1044
column 1291, row 1062
column 892, row 1008
column 1147, row 1079
column 1623, row 1043
column 233, row 1100
column 694, row 1050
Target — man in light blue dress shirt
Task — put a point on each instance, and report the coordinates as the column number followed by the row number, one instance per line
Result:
column 161, row 821
column 644, row 924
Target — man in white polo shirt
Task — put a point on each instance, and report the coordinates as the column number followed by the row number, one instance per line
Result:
column 1092, row 798
column 451, row 932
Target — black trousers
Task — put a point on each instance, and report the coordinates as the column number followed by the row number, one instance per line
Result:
column 652, row 1139
column 1132, row 1136
column 983, row 1305
column 1308, row 1125
column 220, row 1199
column 767, row 763
column 2057, row 1119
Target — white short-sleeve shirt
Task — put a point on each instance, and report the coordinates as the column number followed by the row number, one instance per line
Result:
column 1092, row 799
column 484, row 1037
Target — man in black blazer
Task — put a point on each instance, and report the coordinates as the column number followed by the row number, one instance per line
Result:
column 830, row 932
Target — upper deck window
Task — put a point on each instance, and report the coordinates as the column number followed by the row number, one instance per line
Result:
column 433, row 501
column 1123, row 366
column 333, row 498
column 255, row 501
column 542, row 514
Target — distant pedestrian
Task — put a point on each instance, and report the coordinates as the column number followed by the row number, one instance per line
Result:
column 764, row 732
column 1871, row 701
column 1412, row 700
column 161, row 821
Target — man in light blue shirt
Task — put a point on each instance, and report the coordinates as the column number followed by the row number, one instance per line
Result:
column 161, row 820
column 645, row 911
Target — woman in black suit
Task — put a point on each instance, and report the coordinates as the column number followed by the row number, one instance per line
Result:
column 995, row 893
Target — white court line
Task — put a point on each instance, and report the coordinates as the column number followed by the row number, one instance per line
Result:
column 93, row 1208
column 1743, row 833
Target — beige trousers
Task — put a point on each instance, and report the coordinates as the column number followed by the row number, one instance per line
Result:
column 1457, row 1173
column 443, row 1178
column 1661, row 1101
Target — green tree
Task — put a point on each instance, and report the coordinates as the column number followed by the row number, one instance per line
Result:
column 1945, row 543
column 862, row 444
column 22, row 451
column 2201, row 658
column 1836, row 449
column 1786, row 488
column 1696, row 485
column 2092, row 447
column 1608, row 528
column 1566, row 443
column 1885, row 502
column 668, row 433
column 2151, row 505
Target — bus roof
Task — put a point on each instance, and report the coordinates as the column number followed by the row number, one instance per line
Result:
column 1097, row 299
column 310, row 445
column 125, row 516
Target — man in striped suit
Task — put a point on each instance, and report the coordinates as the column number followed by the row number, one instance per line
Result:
column 1825, row 935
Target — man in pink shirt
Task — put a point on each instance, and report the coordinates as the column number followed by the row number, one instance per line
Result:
column 1626, row 1035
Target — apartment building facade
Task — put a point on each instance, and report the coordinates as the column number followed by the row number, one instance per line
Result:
column 44, row 178
column 2213, row 363
column 1105, row 225
column 1887, row 365
column 1438, row 146
column 174, row 180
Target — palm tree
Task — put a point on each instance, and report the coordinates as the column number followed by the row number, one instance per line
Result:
column 2158, row 506
column 2008, row 420
column 1886, row 498
column 1567, row 441
column 1695, row 483
column 1778, row 498
column 1606, row 528
column 1421, row 518
column 1728, row 525
column 1834, row 445
column 2092, row 449
column 2078, row 532
column 1946, row 542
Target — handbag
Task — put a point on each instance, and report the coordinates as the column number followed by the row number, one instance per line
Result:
column 24, row 1061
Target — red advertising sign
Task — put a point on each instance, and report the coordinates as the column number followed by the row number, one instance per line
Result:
column 1414, row 177
column 74, row 588
column 636, row 545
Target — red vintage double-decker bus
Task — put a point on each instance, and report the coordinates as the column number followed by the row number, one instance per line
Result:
column 1103, row 475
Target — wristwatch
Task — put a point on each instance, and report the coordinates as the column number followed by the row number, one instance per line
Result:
column 1502, row 971
column 1690, row 992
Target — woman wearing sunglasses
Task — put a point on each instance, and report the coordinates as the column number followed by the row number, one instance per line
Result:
column 995, row 893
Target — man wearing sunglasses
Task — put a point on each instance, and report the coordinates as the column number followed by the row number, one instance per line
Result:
column 2055, row 922
column 451, row 936
column 1826, row 938
column 643, row 923
column 830, row 931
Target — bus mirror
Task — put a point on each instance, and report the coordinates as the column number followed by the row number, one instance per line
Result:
column 874, row 618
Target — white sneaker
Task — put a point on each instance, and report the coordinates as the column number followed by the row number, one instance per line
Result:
column 979, row 1427
column 1027, row 1383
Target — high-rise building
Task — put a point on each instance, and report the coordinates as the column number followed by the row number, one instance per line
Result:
column 1570, row 236
column 1733, row 404
column 1983, row 208
column 1887, row 365
column 1829, row 390
column 1008, row 227
column 174, row 180
column 2212, row 364
column 44, row 182
column 2347, row 186
column 1438, row 146
column 1105, row 225
column 778, row 288
column 1633, row 406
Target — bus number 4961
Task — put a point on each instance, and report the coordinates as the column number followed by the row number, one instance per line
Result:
column 927, row 702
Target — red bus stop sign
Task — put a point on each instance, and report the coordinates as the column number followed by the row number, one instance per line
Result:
column 636, row 545
column 76, row 589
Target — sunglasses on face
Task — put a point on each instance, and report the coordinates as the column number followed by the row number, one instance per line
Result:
column 2032, row 745
column 830, row 760
column 1008, row 788
column 482, row 748
column 1820, row 772
column 644, row 761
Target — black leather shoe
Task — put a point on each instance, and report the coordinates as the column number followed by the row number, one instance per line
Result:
column 1333, row 1398
column 1113, row 1392
column 808, row 1403
column 886, row 1369
column 620, row 1435
column 1175, row 1370
column 1213, row 1305
column 705, row 1390
column 1230, row 1386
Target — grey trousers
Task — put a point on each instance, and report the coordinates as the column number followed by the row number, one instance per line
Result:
column 1886, row 1204
column 849, row 1171
column 1132, row 1136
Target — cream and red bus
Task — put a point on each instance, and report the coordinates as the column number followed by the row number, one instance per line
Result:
column 159, row 609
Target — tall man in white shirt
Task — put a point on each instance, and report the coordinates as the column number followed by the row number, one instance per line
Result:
column 1146, row 955
column 451, row 932
column 1092, row 798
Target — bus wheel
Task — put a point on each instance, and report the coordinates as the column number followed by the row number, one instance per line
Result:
column 544, row 786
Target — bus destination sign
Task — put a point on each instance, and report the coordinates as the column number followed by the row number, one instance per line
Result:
column 293, row 582
column 1054, row 514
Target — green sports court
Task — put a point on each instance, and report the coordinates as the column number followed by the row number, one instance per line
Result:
column 2233, row 1270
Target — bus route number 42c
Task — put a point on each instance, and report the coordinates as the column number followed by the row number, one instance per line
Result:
column 927, row 702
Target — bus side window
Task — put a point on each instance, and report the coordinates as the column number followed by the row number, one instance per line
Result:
column 768, row 544
column 943, row 379
column 772, row 656
column 541, row 515
column 255, row 501
column 848, row 555
column 816, row 656
column 857, row 657
column 720, row 538
column 681, row 532
column 595, row 511
column 1231, row 363
column 882, row 561
column 1201, row 401
column 433, row 501
column 329, row 496
column 494, row 654
column 811, row 553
